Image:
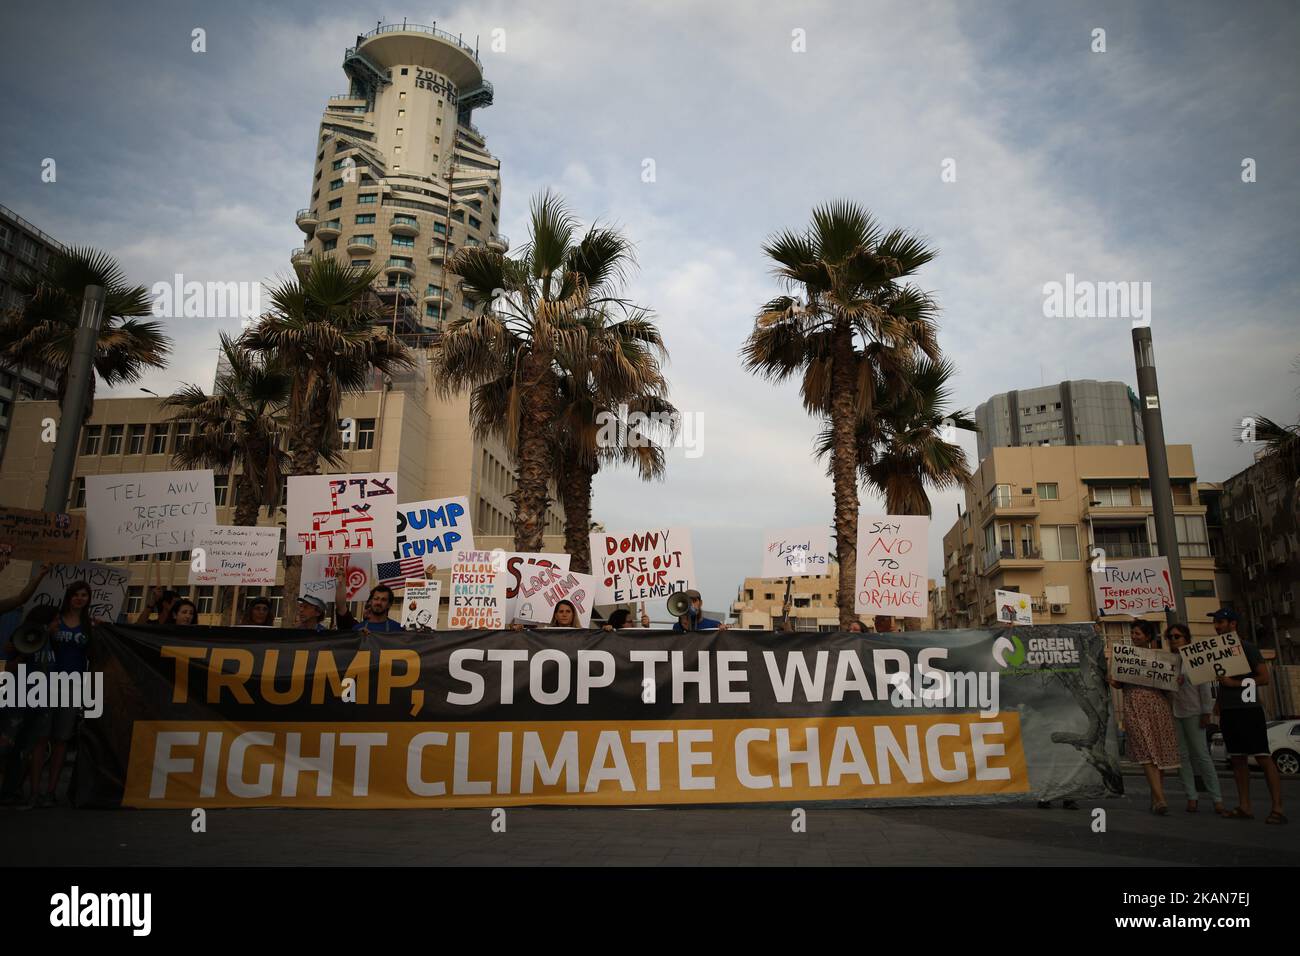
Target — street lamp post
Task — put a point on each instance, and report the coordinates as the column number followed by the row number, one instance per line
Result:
column 80, row 371
column 1162, row 497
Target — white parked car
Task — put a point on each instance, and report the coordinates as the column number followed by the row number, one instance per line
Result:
column 1283, row 743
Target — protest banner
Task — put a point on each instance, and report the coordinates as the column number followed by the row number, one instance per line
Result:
column 434, row 531
column 795, row 551
column 516, row 565
column 511, row 718
column 1146, row 666
column 42, row 535
column 1136, row 587
column 478, row 592
column 342, row 514
column 546, row 587
column 637, row 566
column 1013, row 607
column 318, row 576
column 891, row 578
column 420, row 605
column 107, row 588
column 1206, row 659
column 147, row 513
column 234, row 555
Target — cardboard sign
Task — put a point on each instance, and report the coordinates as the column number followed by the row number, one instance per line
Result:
column 516, row 565
column 1207, row 659
column 107, row 588
column 1130, row 664
column 235, row 555
column 478, row 592
column 318, row 576
column 434, row 530
column 1136, row 587
column 42, row 535
column 1013, row 607
column 342, row 514
column 420, row 605
column 892, row 551
column 640, row 565
column 147, row 513
column 547, row 587
column 794, row 551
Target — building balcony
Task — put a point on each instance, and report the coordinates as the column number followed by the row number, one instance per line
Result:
column 1126, row 549
column 439, row 252
column 1007, row 558
column 306, row 220
column 499, row 243
column 1012, row 506
column 404, row 226
column 330, row 229
column 301, row 258
column 435, row 297
column 401, row 266
column 361, row 245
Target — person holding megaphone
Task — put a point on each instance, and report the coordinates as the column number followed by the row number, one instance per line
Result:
column 688, row 608
column 20, row 726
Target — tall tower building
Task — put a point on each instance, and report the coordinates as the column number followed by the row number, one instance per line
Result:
column 1083, row 412
column 402, row 177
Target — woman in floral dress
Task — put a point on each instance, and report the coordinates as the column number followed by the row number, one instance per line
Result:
column 1149, row 726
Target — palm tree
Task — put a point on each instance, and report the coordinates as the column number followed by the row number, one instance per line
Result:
column 854, row 325
column 325, row 326
column 512, row 355
column 42, row 331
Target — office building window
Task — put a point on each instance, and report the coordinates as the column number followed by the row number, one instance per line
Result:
column 365, row 199
column 1193, row 541
column 334, row 204
column 1047, row 491
column 134, row 598
column 113, row 446
column 90, row 442
column 1198, row 588
column 79, row 493
column 329, row 246
column 364, row 219
column 1060, row 542
column 336, row 184
column 220, row 489
column 183, row 430
column 158, row 439
column 205, row 602
column 135, row 440
column 365, row 434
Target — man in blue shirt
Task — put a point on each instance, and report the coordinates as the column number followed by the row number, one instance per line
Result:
column 311, row 613
column 376, row 617
column 694, row 619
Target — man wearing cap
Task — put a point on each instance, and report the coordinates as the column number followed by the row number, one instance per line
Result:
column 1245, row 731
column 311, row 613
column 694, row 619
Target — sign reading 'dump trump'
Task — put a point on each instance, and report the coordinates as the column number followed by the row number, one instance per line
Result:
column 42, row 535
column 219, row 717
column 342, row 514
column 1136, row 587
column 434, row 530
column 147, row 513
column 891, row 565
column 639, row 565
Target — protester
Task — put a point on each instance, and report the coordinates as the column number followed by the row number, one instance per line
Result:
column 160, row 602
column 694, row 619
column 19, row 725
column 564, row 615
column 1245, row 731
column 618, row 620
column 1149, row 723
column 376, row 616
column 1193, row 704
column 311, row 613
column 22, row 597
column 65, row 653
column 259, row 612
column 884, row 624
column 856, row 626
column 184, row 612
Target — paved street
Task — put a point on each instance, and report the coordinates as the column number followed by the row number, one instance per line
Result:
column 1019, row 835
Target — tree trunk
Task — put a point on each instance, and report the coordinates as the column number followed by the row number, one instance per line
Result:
column 575, row 492
column 844, row 467
column 305, row 431
column 246, row 511
column 535, row 456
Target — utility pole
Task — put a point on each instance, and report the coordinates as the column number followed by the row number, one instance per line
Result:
column 81, row 370
column 1162, row 496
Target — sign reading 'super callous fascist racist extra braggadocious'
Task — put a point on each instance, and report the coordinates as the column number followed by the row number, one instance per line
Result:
column 219, row 717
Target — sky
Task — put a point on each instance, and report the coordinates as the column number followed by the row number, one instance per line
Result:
column 1122, row 165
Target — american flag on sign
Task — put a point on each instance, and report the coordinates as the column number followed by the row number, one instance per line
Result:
column 394, row 573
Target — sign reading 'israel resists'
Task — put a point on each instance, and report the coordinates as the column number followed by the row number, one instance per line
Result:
column 234, row 555
column 1146, row 666
column 434, row 530
column 794, row 551
column 342, row 514
column 478, row 592
column 1209, row 658
column 147, row 513
column 641, row 565
column 891, row 565
column 1136, row 587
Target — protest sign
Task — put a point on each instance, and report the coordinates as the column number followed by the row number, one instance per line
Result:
column 42, row 535
column 640, row 565
column 342, row 514
column 146, row 513
column 420, row 605
column 1130, row 664
column 892, row 565
column 434, row 531
column 1206, row 659
column 234, row 555
column 318, row 576
column 516, row 565
column 1136, row 587
column 1013, row 607
column 107, row 588
column 794, row 551
column 478, row 592
column 546, row 587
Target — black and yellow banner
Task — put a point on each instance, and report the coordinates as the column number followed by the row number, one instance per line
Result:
column 221, row 717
